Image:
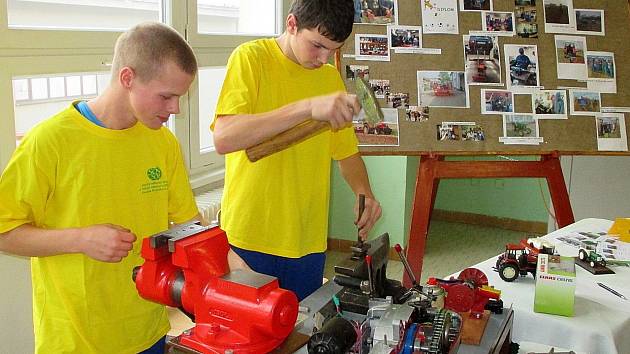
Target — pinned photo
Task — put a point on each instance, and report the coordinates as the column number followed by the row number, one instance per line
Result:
column 520, row 129
column 550, row 104
column 611, row 132
column 473, row 133
column 571, row 57
column 481, row 57
column 497, row 101
column 442, row 89
column 377, row 133
column 448, row 132
column 499, row 23
column 380, row 88
column 371, row 47
column 589, row 21
column 417, row 114
column 405, row 39
column 376, row 12
column 459, row 131
column 602, row 76
column 585, row 103
column 559, row 17
column 475, row 5
column 397, row 100
column 601, row 66
column 440, row 16
column 355, row 71
column 521, row 64
column 525, row 14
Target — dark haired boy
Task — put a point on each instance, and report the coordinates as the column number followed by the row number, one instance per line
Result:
column 275, row 211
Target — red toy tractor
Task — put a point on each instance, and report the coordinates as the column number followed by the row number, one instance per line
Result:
column 520, row 259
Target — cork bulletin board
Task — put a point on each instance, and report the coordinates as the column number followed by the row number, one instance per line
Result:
column 575, row 135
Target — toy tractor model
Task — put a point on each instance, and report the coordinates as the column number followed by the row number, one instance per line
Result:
column 593, row 258
column 520, row 259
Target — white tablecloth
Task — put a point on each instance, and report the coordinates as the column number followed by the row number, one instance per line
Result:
column 601, row 324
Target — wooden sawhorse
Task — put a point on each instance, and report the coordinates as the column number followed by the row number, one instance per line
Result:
column 432, row 168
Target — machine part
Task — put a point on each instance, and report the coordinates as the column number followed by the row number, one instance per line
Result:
column 388, row 325
column 435, row 293
column 368, row 261
column 337, row 336
column 460, row 298
column 436, row 332
column 474, row 277
column 356, row 267
column 405, row 263
column 187, row 267
column 508, row 272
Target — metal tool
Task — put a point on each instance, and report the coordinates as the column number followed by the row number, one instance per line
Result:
column 360, row 248
column 405, row 263
column 369, row 103
column 310, row 128
column 368, row 261
column 611, row 290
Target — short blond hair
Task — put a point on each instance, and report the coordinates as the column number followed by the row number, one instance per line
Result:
column 148, row 46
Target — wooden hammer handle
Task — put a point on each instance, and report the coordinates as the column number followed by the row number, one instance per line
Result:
column 286, row 139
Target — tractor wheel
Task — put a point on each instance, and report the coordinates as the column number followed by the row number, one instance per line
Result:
column 508, row 272
column 592, row 264
column 603, row 262
column 582, row 255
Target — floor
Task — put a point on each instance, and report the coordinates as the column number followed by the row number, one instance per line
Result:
column 450, row 248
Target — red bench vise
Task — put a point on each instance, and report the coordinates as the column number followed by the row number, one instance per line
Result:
column 239, row 311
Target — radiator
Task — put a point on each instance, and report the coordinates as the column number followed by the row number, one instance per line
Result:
column 209, row 203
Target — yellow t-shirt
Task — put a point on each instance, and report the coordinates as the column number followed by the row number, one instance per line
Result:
column 69, row 172
column 279, row 204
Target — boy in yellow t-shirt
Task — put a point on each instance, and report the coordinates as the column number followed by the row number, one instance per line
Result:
column 86, row 185
column 275, row 211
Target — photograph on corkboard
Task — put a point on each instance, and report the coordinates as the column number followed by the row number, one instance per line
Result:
column 442, row 89
column 482, row 60
column 376, row 12
column 497, row 101
column 590, row 22
column 475, row 5
column 377, row 132
column 559, row 16
column 585, row 103
column 521, row 65
column 526, row 15
column 550, row 104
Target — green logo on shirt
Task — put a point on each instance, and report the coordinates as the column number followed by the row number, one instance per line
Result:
column 154, row 173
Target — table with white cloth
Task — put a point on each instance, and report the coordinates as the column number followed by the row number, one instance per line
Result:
column 601, row 324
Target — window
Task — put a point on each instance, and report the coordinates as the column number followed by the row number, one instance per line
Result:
column 50, row 94
column 76, row 14
column 210, row 81
column 250, row 17
column 55, row 51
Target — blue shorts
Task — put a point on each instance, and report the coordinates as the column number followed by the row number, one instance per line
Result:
column 157, row 348
column 301, row 275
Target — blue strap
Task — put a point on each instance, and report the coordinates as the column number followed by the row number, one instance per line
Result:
column 85, row 111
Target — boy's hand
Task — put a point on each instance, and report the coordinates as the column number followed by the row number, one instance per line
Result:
column 338, row 109
column 107, row 242
column 370, row 216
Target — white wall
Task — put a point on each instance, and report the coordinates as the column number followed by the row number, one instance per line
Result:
column 598, row 186
column 16, row 314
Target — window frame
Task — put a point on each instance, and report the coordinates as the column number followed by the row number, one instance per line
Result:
column 33, row 52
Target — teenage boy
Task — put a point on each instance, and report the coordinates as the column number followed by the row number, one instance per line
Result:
column 85, row 186
column 275, row 211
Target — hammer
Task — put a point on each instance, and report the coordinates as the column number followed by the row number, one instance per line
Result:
column 311, row 127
